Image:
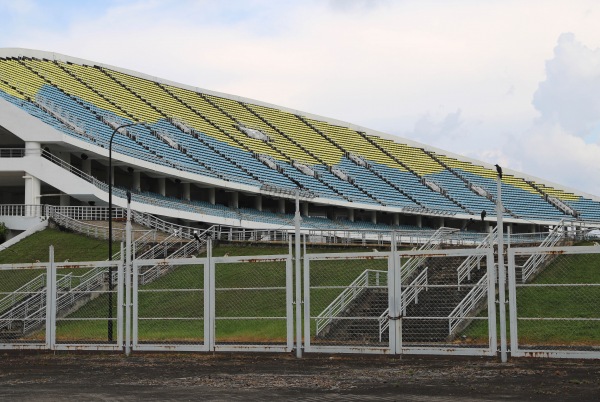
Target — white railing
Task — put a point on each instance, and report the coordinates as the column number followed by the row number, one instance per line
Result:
column 433, row 242
column 368, row 278
column 13, row 152
column 33, row 286
column 467, row 305
column 466, row 267
column 31, row 210
column 411, row 294
column 534, row 262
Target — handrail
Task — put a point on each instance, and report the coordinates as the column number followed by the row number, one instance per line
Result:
column 472, row 261
column 536, row 259
column 412, row 294
column 432, row 243
column 347, row 296
column 467, row 304
column 23, row 292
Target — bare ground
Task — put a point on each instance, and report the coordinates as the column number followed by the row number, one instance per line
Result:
column 97, row 376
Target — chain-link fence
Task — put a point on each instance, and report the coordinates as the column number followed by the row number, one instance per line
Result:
column 554, row 301
column 169, row 304
column 346, row 302
column 23, row 305
column 446, row 301
column 252, row 303
column 87, row 300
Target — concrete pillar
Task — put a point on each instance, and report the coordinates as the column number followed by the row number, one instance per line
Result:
column 305, row 209
column 33, row 148
column 486, row 226
column 162, row 186
column 212, row 196
column 86, row 166
column 234, row 200
column 137, row 181
column 533, row 228
column 419, row 221
column 374, row 217
column 441, row 221
column 281, row 206
column 186, row 191
column 350, row 214
column 258, row 202
column 33, row 188
column 396, row 218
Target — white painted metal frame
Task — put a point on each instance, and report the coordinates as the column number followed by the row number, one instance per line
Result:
column 250, row 347
column 47, row 340
column 117, row 344
column 515, row 349
column 157, row 346
column 308, row 346
column 491, row 349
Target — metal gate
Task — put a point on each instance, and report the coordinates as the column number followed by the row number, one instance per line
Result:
column 554, row 295
column 409, row 302
column 251, row 303
column 170, row 304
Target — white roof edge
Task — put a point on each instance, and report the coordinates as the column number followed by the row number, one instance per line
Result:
column 16, row 52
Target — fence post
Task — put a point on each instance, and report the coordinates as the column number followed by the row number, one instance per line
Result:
column 501, row 271
column 51, row 283
column 128, row 255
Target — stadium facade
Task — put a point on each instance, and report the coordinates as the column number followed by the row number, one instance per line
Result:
column 203, row 158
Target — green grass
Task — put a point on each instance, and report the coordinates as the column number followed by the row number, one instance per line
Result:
column 557, row 302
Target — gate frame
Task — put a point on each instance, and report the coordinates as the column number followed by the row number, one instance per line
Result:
column 493, row 345
column 308, row 347
column 116, row 345
column 42, row 345
column 290, row 319
column 132, row 321
column 515, row 350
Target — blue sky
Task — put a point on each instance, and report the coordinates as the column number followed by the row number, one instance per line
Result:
column 509, row 82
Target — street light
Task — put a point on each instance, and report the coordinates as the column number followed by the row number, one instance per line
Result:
column 297, row 192
column 110, row 237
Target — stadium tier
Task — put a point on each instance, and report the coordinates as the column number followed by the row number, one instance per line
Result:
column 202, row 152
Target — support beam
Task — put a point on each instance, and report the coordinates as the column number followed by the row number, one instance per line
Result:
column 351, row 214
column 137, row 181
column 258, row 202
column 419, row 221
column 305, row 209
column 234, row 200
column 162, row 186
column 396, row 219
column 186, row 191
column 212, row 196
column 33, row 188
column 374, row 217
column 281, row 206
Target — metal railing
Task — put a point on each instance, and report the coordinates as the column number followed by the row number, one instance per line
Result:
column 25, row 291
column 433, row 242
column 468, row 304
column 12, row 152
column 472, row 261
column 367, row 278
column 533, row 263
column 412, row 294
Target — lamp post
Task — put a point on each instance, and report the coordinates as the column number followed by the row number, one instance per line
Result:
column 501, row 268
column 297, row 193
column 110, row 237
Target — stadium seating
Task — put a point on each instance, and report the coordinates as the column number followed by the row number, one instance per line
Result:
column 242, row 142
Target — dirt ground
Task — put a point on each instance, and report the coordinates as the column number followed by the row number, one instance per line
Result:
column 44, row 376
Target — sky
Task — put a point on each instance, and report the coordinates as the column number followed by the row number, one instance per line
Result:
column 509, row 82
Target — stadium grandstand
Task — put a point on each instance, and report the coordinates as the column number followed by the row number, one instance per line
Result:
column 202, row 158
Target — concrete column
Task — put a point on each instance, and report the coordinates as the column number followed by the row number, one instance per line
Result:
column 350, row 214
column 374, row 217
column 281, row 206
column 186, row 191
column 441, row 221
column 33, row 148
column 33, row 188
column 234, row 200
column 396, row 218
column 258, row 202
column 486, row 226
column 533, row 228
column 419, row 221
column 86, row 166
column 137, row 181
column 305, row 209
column 162, row 186
column 212, row 196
